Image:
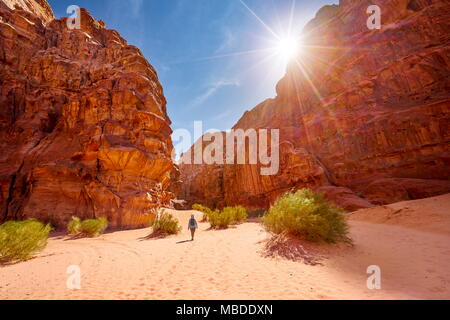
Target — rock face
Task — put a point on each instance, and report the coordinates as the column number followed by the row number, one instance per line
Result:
column 83, row 124
column 41, row 8
column 363, row 114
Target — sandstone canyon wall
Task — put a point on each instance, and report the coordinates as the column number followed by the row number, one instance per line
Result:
column 83, row 124
column 363, row 114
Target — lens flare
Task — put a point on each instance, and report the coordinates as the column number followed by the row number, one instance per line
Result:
column 288, row 48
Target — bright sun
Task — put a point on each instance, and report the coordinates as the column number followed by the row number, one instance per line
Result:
column 288, row 48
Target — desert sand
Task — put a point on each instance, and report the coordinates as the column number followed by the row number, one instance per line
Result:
column 409, row 241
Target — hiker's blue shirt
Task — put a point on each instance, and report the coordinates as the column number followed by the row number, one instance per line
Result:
column 193, row 225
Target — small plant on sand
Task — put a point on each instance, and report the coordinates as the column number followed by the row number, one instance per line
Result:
column 74, row 226
column 239, row 214
column 219, row 220
column 308, row 215
column 89, row 228
column 165, row 224
column 228, row 216
column 19, row 241
column 205, row 210
column 94, row 227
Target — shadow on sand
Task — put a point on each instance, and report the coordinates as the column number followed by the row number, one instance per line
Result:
column 159, row 236
column 76, row 237
column 290, row 248
column 154, row 236
column 296, row 249
column 185, row 241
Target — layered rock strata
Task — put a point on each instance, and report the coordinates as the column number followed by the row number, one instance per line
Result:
column 83, row 124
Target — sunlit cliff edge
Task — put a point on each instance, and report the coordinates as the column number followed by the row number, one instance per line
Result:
column 363, row 114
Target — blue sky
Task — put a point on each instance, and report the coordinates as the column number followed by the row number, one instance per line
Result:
column 193, row 44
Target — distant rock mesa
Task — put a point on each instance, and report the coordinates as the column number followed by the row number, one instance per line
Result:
column 83, row 124
column 364, row 116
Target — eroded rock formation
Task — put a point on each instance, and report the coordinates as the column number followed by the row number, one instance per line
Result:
column 363, row 115
column 83, row 124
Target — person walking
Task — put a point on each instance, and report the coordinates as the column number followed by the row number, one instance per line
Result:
column 193, row 226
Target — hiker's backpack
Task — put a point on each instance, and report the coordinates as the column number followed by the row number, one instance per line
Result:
column 192, row 223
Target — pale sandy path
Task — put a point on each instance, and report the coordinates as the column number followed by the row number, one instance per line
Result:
column 228, row 265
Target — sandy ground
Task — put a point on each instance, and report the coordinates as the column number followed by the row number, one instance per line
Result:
column 412, row 248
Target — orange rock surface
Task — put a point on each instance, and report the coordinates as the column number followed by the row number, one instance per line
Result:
column 83, row 124
column 364, row 115
column 41, row 8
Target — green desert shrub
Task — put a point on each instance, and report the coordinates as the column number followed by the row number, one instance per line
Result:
column 20, row 240
column 89, row 228
column 205, row 210
column 166, row 224
column 218, row 219
column 240, row 214
column 228, row 216
column 74, row 226
column 93, row 227
column 307, row 214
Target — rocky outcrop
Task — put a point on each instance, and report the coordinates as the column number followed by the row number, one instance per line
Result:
column 363, row 114
column 83, row 124
column 41, row 8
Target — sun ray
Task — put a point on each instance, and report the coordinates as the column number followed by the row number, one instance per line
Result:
column 291, row 18
column 279, row 25
column 260, row 20
column 255, row 65
column 227, row 55
column 283, row 48
column 328, row 64
column 339, row 48
column 308, row 79
column 288, row 48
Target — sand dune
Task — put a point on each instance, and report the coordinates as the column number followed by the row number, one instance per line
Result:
column 231, row 264
column 430, row 215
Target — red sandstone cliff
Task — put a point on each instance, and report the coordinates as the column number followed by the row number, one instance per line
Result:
column 364, row 115
column 41, row 8
column 83, row 124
